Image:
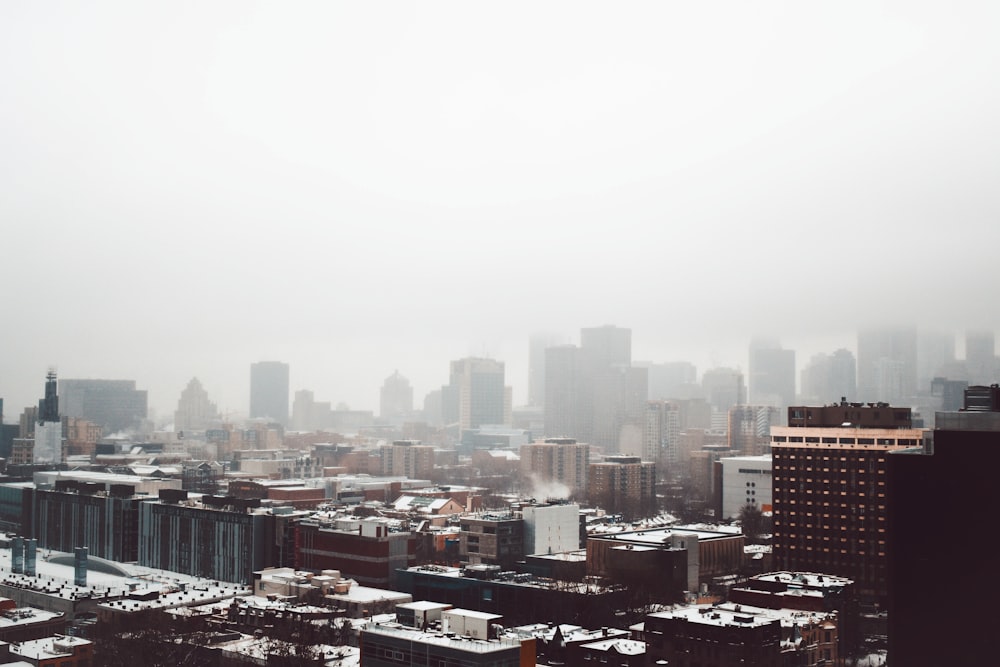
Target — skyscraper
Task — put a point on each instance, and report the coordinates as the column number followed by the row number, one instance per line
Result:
column 887, row 365
column 48, row 430
column 269, row 391
column 829, row 378
column 562, row 389
column 537, row 347
column 724, row 388
column 478, row 393
column 194, row 409
column 980, row 357
column 593, row 393
column 395, row 398
column 772, row 374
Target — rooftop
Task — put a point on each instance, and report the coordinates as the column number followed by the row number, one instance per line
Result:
column 449, row 639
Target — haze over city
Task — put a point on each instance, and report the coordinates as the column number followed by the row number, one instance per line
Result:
column 356, row 189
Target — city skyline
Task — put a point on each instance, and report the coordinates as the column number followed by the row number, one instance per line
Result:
column 351, row 189
column 163, row 403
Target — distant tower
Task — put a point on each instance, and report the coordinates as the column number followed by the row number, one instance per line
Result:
column 194, row 410
column 269, row 391
column 48, row 407
column 48, row 431
column 478, row 394
column 396, row 398
column 772, row 374
column 537, row 346
column 980, row 357
column 887, row 365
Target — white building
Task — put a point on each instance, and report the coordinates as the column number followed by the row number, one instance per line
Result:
column 746, row 479
column 551, row 529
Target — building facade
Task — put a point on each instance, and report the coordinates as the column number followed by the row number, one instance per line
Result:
column 555, row 467
column 114, row 404
column 623, row 485
column 942, row 574
column 830, row 497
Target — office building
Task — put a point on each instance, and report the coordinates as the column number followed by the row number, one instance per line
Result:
column 116, row 405
column 623, row 485
column 269, row 391
column 477, row 394
column 195, row 412
column 943, row 586
column 829, row 487
column 396, row 399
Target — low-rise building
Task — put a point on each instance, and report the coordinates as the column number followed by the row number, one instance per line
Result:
column 391, row 644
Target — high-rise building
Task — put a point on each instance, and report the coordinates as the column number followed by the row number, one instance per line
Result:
column 750, row 428
column 980, row 357
column 194, row 409
column 537, row 346
column 619, row 406
column 396, row 398
column 887, row 365
column 269, row 391
column 938, row 558
column 772, row 373
column 829, row 378
column 623, row 485
column 724, row 388
column 48, row 446
column 554, row 467
column 675, row 379
column 477, row 394
column 935, row 357
column 562, row 392
column 662, row 435
column 115, row 405
column 593, row 393
column 829, row 488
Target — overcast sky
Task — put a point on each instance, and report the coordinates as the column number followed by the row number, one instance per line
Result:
column 355, row 188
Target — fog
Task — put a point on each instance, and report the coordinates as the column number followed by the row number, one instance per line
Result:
column 355, row 188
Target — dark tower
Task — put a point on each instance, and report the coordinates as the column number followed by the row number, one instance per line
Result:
column 48, row 407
